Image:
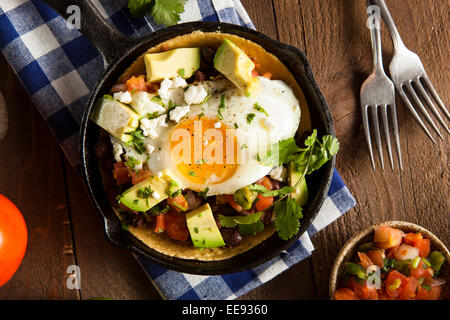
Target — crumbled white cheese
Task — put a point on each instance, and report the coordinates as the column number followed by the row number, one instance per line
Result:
column 164, row 87
column 159, row 174
column 149, row 148
column 156, row 195
column 123, row 96
column 278, row 173
column 195, row 94
column 142, row 103
column 217, row 125
column 149, row 126
column 179, row 112
column 269, row 124
column 179, row 82
column 117, row 149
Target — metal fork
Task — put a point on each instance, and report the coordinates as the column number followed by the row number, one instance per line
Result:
column 378, row 92
column 407, row 71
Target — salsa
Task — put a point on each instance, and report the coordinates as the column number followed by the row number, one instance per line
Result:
column 395, row 266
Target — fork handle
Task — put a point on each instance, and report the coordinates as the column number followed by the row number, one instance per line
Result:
column 375, row 36
column 398, row 43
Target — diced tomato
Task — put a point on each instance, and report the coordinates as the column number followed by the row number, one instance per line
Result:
column 263, row 202
column 377, row 257
column 136, row 84
column 176, row 226
column 411, row 238
column 344, row 294
column 160, row 223
column 363, row 291
column 140, row 175
column 178, row 203
column 392, row 286
column 265, row 182
column 408, row 291
column 420, row 271
column 383, row 295
column 433, row 294
column 387, row 237
column 365, row 261
column 255, row 73
column 424, row 247
column 267, row 75
column 233, row 204
column 121, row 174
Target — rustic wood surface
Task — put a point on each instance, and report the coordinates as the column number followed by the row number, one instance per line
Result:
column 64, row 228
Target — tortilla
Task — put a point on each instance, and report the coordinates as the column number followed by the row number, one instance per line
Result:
column 267, row 63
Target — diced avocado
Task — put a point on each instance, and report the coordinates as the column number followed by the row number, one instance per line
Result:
column 236, row 66
column 437, row 259
column 244, row 197
column 139, row 197
column 115, row 117
column 173, row 63
column 300, row 193
column 203, row 228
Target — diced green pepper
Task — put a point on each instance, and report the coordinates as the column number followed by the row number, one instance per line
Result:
column 365, row 247
column 355, row 270
column 437, row 259
column 402, row 266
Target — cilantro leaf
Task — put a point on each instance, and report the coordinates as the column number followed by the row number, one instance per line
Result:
column 287, row 215
column 167, row 12
column 281, row 152
column 203, row 193
column 132, row 162
column 139, row 8
column 270, row 193
column 257, row 107
column 251, row 229
column 221, row 106
column 250, row 117
column 233, row 221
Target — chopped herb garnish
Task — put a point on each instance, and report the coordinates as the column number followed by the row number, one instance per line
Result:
column 221, row 106
column 152, row 115
column 200, row 161
column 158, row 100
column 132, row 162
column 206, row 99
column 235, row 125
column 244, row 146
column 136, row 201
column 203, row 194
column 145, row 192
column 192, row 173
column 201, row 115
column 137, row 140
column 171, row 106
column 250, row 117
column 260, row 109
column 185, row 88
column 173, row 192
column 196, row 230
column 181, row 72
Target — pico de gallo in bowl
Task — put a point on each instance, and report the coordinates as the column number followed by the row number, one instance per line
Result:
column 391, row 263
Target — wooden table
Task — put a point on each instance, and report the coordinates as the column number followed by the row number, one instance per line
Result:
column 65, row 229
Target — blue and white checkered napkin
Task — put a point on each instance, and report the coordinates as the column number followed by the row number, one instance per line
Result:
column 59, row 67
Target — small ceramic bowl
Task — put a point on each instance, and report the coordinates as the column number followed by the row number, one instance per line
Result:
column 348, row 252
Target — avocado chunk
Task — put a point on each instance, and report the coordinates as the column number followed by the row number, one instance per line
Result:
column 115, row 117
column 148, row 193
column 236, row 66
column 171, row 64
column 437, row 259
column 203, row 228
column 300, row 193
column 244, row 197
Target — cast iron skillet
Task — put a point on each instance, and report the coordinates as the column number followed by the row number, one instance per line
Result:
column 118, row 52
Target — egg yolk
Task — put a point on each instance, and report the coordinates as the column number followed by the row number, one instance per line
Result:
column 203, row 153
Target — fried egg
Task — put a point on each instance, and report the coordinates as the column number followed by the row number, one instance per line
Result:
column 217, row 143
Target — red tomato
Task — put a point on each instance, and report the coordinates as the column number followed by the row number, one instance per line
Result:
column 377, row 257
column 121, row 173
column 386, row 237
column 344, row 294
column 433, row 294
column 365, row 261
column 232, row 203
column 392, row 287
column 421, row 271
column 160, row 223
column 13, row 239
column 408, row 291
column 178, row 203
column 267, row 75
column 411, row 238
column 176, row 226
column 263, row 202
column 424, row 247
column 140, row 175
column 363, row 291
column 265, row 182
column 136, row 84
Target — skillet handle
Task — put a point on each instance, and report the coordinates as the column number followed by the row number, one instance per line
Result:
column 110, row 43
